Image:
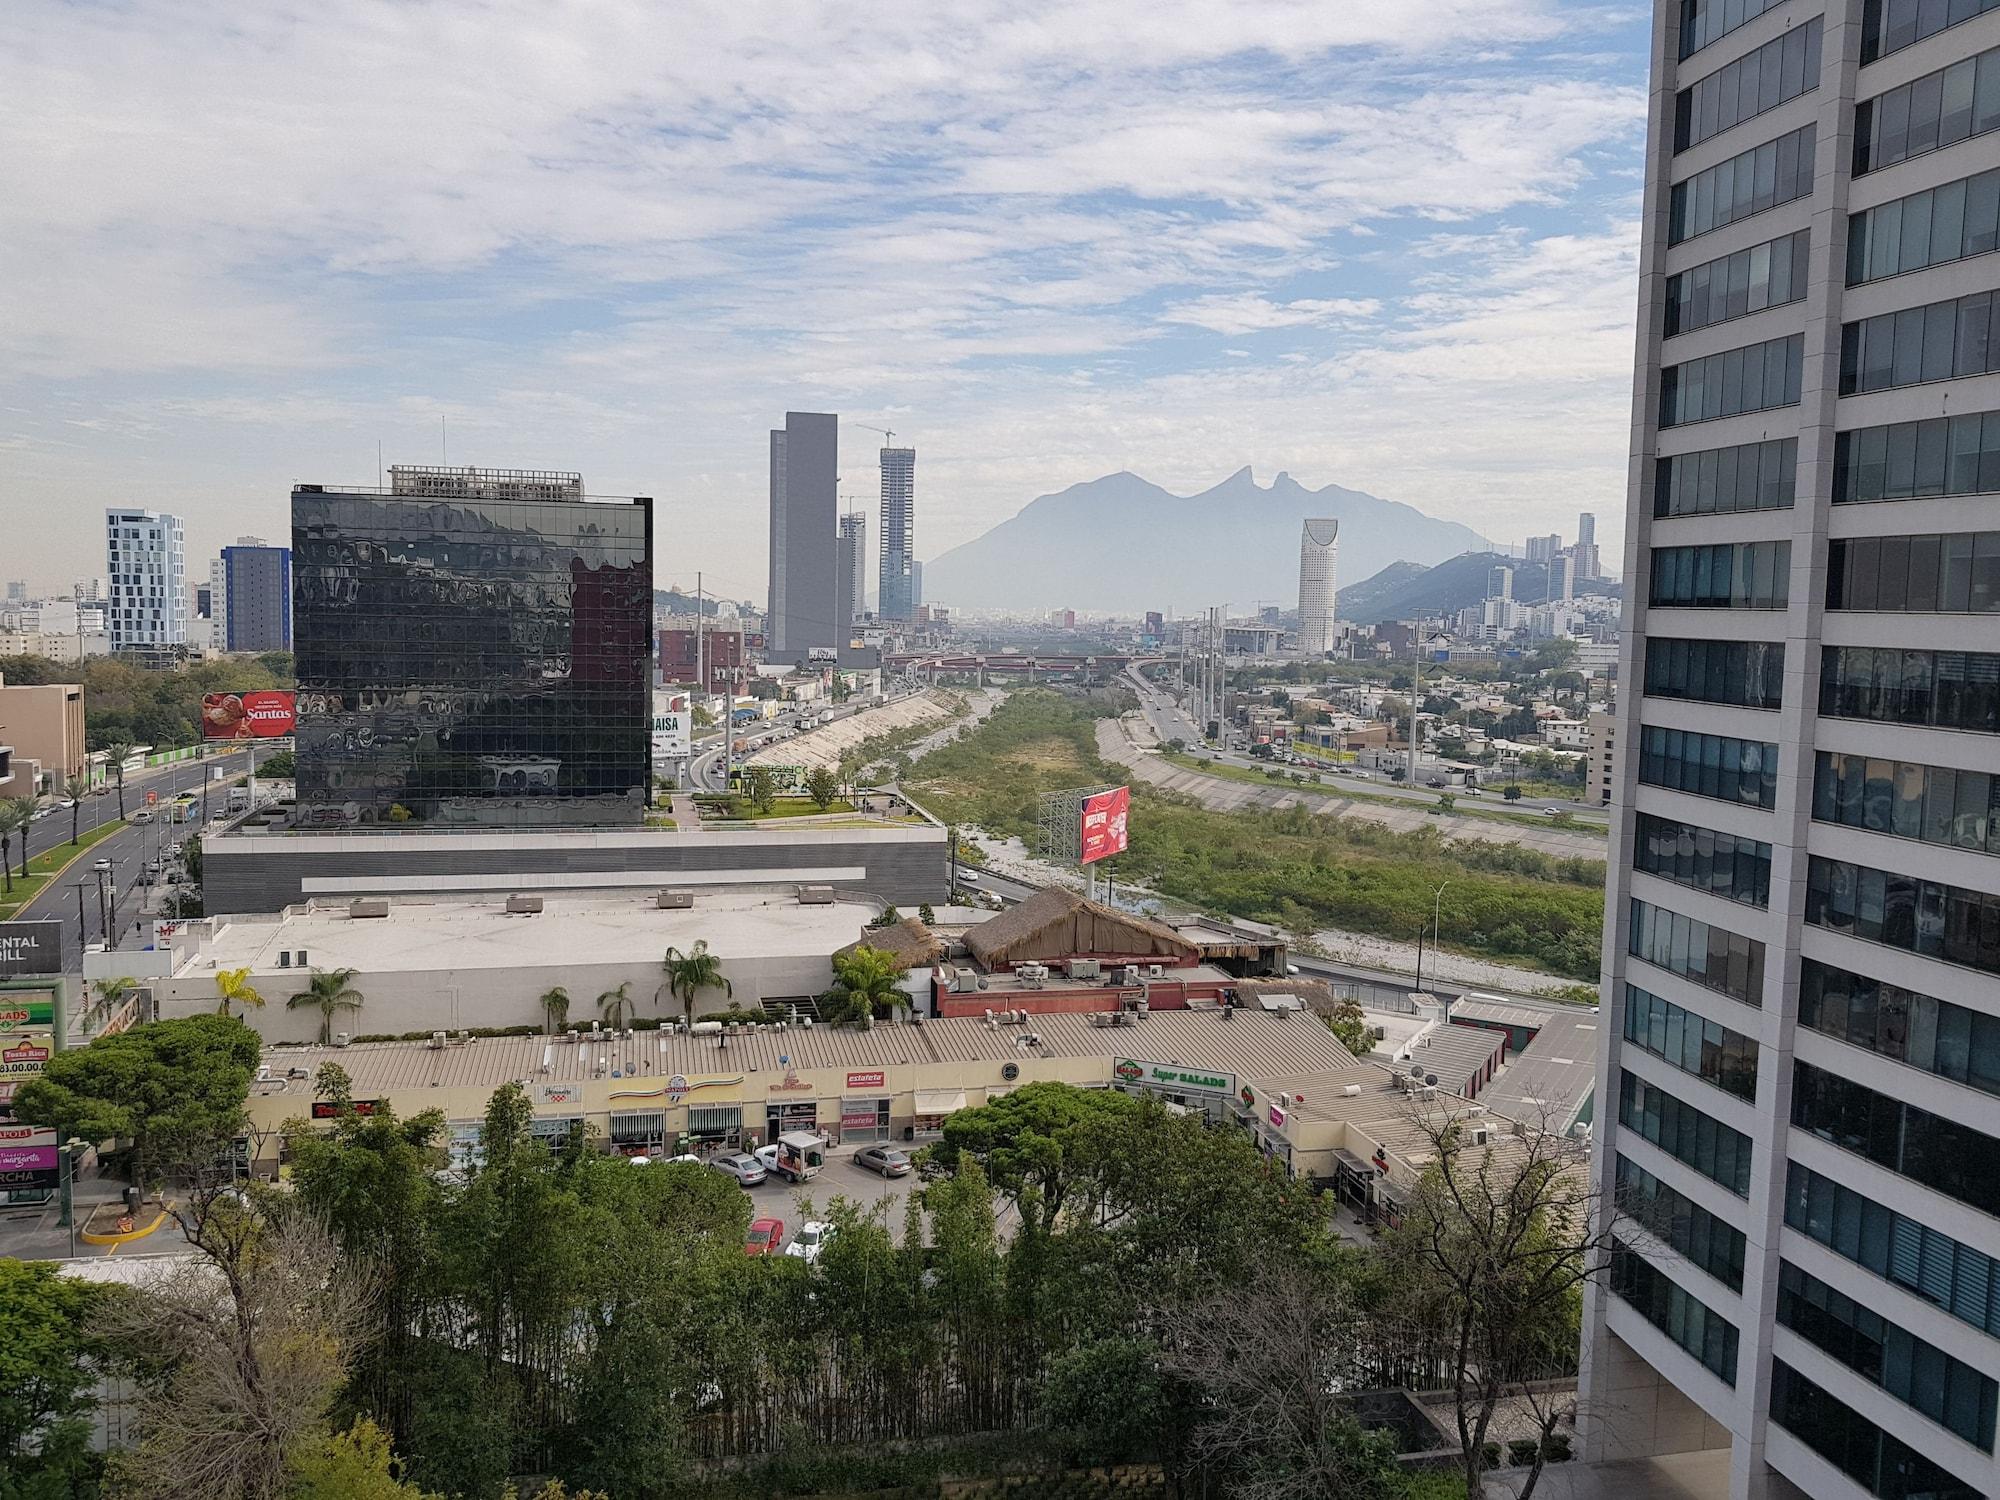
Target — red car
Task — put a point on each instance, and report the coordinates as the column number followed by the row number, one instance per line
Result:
column 767, row 1237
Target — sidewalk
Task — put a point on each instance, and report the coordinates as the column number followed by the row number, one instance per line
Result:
column 37, row 1233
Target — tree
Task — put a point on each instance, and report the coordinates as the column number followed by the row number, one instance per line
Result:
column 175, row 1089
column 329, row 991
column 689, row 973
column 865, row 985
column 925, row 914
column 761, row 788
column 889, row 917
column 822, row 786
column 1446, row 802
column 1349, row 1022
column 50, row 1364
column 1512, row 791
column 353, row 1465
column 1040, row 1145
column 555, row 1009
column 280, row 765
column 615, row 1005
column 233, row 986
column 118, row 751
column 15, row 813
column 111, row 994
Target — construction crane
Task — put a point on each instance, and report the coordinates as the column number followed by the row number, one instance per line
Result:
column 888, row 437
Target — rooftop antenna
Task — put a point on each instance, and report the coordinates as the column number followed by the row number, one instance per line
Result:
column 444, row 453
column 378, row 463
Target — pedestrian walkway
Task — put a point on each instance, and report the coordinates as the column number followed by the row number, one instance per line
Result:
column 1678, row 1476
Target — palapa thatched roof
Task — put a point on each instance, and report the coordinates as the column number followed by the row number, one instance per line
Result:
column 909, row 942
column 1057, row 923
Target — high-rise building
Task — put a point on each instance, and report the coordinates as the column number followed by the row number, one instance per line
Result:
column 853, row 566
column 1500, row 583
column 254, row 603
column 1800, row 1031
column 1586, row 528
column 1319, row 552
column 472, row 649
column 17, row 591
column 896, row 594
column 1541, row 548
column 146, row 561
column 804, row 584
column 916, row 584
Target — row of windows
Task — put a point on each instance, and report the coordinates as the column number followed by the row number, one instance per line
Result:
column 1707, row 1049
column 1763, row 177
column 1934, row 804
column 1781, row 69
column 1712, row 957
column 1911, row 460
column 1706, row 1241
column 1931, row 228
column 1723, row 575
column 1705, row 21
column 1944, row 689
column 1756, row 377
column 1767, row 275
column 1921, row 916
column 1891, row 25
column 1744, row 674
column 1718, row 481
column 1709, row 765
column 1722, row 864
column 1957, row 573
column 1699, row 1140
column 1952, row 1277
column 1930, row 1150
column 1914, row 1371
column 1939, row 109
column 1915, row 345
column 1663, row 1302
column 1901, row 1025
column 1881, row 1463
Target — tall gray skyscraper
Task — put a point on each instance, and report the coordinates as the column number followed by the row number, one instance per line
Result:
column 805, row 479
column 896, row 596
column 1799, row 1043
column 1586, row 528
column 1541, row 548
column 852, row 566
column 1319, row 555
column 146, row 559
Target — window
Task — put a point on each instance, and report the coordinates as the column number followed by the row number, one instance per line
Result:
column 1931, row 228
column 1936, row 1153
column 1756, row 377
column 1919, row 1374
column 1677, row 1220
column 1915, row 346
column 1951, row 574
column 1706, row 1049
column 1915, row 460
column 1952, row 1277
column 1939, row 921
column 1738, row 575
column 1722, row 864
column 1891, row 25
column 1664, row 1303
column 1744, row 674
column 1764, row 276
column 1948, row 1040
column 1717, row 481
column 1685, row 1133
column 1942, row 689
column 1781, row 69
column 1705, row 21
column 1880, row 1463
column 1712, row 957
column 1709, row 765
column 1940, row 109
column 1932, row 804
column 1776, row 172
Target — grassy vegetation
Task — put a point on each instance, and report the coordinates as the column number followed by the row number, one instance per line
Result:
column 1294, row 867
column 122, row 700
column 43, row 867
column 1347, row 786
column 743, row 808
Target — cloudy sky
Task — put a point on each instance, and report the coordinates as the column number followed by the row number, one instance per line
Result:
column 1383, row 243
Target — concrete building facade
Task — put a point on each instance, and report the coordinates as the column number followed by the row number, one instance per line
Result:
column 805, row 481
column 44, row 723
column 853, row 567
column 254, row 604
column 146, row 560
column 1801, row 1066
column 896, row 593
column 1319, row 556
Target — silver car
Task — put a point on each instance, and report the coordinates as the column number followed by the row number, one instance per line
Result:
column 884, row 1159
column 747, row 1170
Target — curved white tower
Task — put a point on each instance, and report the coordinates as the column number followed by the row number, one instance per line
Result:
column 1319, row 550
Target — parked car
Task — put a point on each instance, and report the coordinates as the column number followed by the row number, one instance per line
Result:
column 811, row 1241
column 884, row 1159
column 747, row 1170
column 766, row 1237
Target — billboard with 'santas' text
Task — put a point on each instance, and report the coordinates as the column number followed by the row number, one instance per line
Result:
column 260, row 715
column 1104, row 818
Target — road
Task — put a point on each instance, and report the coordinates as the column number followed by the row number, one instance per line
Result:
column 128, row 851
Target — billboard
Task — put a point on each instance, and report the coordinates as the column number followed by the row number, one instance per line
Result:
column 24, row 1055
column 28, row 1158
column 673, row 726
column 27, row 1010
column 247, row 716
column 1104, row 816
column 30, row 948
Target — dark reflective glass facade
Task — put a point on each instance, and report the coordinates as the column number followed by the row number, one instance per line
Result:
column 475, row 662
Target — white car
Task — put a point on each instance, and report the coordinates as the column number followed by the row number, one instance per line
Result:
column 810, row 1241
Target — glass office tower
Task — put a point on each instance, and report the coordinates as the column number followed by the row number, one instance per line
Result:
column 470, row 656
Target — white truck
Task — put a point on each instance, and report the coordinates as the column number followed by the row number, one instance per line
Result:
column 801, row 1155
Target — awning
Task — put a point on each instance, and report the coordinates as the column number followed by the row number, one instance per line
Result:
column 940, row 1101
column 1351, row 1163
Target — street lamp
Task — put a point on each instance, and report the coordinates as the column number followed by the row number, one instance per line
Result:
column 82, row 926
column 1437, row 902
column 1417, row 691
column 107, row 907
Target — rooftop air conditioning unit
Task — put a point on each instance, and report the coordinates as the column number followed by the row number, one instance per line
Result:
column 341, row 1039
column 674, row 900
column 1352, row 1091
column 524, row 905
column 302, row 958
column 1156, row 971
column 1083, row 968
column 815, row 895
column 368, row 906
column 436, row 1043
column 1481, row 1135
column 284, row 958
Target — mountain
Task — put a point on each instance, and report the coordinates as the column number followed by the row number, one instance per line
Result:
column 1121, row 543
column 1404, row 591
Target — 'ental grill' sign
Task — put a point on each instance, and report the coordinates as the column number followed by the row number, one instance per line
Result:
column 30, row 948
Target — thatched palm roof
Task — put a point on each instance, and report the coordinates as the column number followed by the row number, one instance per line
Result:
column 1057, row 923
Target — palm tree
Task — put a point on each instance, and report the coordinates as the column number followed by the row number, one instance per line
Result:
column 330, row 991
column 29, row 807
column 689, row 973
column 118, row 750
column 14, row 813
column 555, row 1009
column 864, row 985
column 234, row 987
column 616, row 1006
column 111, row 994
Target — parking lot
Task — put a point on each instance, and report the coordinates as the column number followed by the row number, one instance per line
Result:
column 840, row 1178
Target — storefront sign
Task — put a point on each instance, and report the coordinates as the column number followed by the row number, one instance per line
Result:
column 326, row 1109
column 677, row 1088
column 30, row 948
column 1172, row 1076
column 28, row 1158
column 30, row 1010
column 873, row 1079
column 558, row 1093
column 24, row 1055
column 1277, row 1117
column 791, row 1083
column 855, row 1118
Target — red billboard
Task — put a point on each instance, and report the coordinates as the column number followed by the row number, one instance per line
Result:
column 246, row 716
column 1104, row 817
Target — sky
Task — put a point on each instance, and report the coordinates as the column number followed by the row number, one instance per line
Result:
column 1389, row 244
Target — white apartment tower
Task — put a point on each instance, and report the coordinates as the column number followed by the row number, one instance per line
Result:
column 1798, row 1132
column 146, row 560
column 1319, row 552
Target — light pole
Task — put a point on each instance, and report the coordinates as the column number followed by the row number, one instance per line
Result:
column 107, row 902
column 1417, row 692
column 1437, row 902
column 82, row 925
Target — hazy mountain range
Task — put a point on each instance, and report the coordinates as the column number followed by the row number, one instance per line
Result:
column 1406, row 591
column 1121, row 543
